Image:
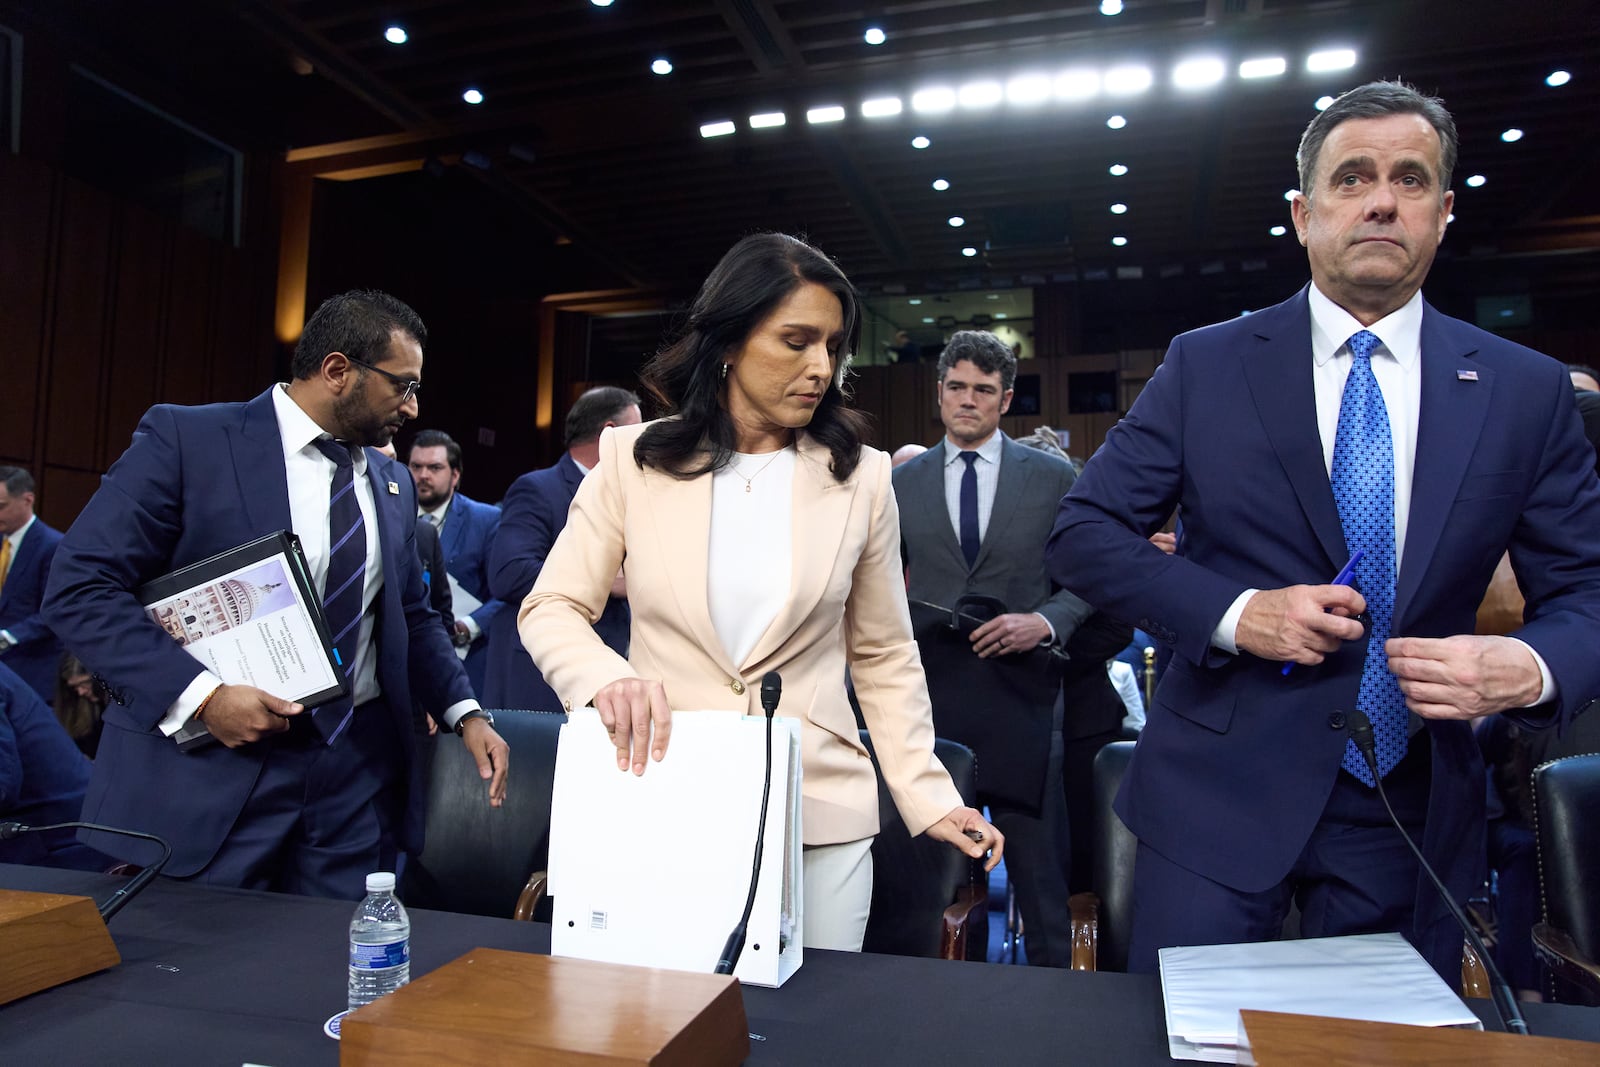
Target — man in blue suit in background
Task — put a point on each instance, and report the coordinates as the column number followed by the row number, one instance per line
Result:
column 1352, row 417
column 27, row 545
column 304, row 800
column 534, row 511
column 42, row 778
column 466, row 530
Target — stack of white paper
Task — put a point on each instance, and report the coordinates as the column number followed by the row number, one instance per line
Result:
column 653, row 870
column 1376, row 977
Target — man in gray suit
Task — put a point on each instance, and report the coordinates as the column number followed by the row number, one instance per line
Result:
column 974, row 514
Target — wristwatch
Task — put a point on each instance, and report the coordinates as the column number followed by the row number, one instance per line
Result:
column 461, row 723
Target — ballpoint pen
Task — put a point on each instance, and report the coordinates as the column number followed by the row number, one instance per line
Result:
column 1344, row 577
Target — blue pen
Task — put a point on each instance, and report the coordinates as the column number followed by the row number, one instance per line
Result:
column 1342, row 578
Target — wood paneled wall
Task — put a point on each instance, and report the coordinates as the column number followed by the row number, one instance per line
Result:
column 106, row 309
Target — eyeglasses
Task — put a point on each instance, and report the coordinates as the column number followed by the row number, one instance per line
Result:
column 408, row 386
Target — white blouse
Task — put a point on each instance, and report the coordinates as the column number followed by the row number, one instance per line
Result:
column 751, row 552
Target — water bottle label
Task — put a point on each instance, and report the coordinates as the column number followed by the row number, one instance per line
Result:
column 380, row 957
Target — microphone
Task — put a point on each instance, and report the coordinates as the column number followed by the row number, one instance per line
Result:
column 1505, row 1003
column 135, row 885
column 771, row 690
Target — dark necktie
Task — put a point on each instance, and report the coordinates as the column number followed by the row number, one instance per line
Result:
column 1363, row 488
column 969, row 509
column 344, row 588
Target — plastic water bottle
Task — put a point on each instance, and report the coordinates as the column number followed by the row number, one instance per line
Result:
column 380, row 943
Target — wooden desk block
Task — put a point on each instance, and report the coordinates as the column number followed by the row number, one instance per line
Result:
column 47, row 939
column 491, row 1006
column 1278, row 1039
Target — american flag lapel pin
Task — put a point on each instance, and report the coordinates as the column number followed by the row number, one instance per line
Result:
column 1466, row 375
column 394, row 487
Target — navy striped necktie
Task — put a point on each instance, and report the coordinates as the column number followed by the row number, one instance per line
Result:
column 344, row 588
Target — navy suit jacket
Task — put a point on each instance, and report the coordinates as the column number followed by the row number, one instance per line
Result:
column 1237, row 762
column 42, row 774
column 197, row 481
column 37, row 653
column 533, row 512
column 469, row 529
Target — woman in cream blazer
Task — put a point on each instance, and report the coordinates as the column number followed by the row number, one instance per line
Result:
column 703, row 513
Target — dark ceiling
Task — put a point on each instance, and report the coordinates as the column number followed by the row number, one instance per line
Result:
column 576, row 133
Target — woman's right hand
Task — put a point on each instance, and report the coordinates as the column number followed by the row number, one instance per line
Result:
column 636, row 716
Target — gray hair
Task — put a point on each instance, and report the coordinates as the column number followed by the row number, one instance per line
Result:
column 1376, row 100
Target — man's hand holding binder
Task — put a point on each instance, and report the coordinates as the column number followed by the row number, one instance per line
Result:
column 239, row 714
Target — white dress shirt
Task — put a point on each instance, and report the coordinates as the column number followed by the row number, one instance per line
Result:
column 752, row 547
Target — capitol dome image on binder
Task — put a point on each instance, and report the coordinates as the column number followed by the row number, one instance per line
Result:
column 224, row 605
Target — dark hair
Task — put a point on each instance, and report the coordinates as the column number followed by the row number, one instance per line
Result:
column 437, row 439
column 79, row 716
column 360, row 324
column 983, row 350
column 1374, row 101
column 16, row 480
column 685, row 378
column 591, row 411
column 1572, row 368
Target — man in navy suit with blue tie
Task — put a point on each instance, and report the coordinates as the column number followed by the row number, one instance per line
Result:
column 534, row 512
column 1352, row 417
column 304, row 800
column 27, row 546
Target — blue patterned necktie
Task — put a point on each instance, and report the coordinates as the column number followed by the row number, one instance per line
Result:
column 344, row 588
column 969, row 509
column 1363, row 490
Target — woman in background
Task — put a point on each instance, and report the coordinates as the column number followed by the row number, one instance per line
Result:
column 79, row 702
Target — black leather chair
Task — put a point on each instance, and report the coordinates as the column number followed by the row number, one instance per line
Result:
column 927, row 898
column 1103, row 919
column 1566, row 808
column 482, row 860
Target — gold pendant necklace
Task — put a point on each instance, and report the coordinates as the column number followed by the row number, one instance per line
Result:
column 757, row 474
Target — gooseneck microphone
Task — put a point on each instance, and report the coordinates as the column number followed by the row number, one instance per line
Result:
column 771, row 690
column 135, row 885
column 1505, row 1003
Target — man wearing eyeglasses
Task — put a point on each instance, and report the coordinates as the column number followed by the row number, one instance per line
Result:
column 294, row 799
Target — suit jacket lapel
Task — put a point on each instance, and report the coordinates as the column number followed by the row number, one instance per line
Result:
column 454, row 526
column 263, row 486
column 391, row 534
column 1016, row 468
column 1278, row 372
column 20, row 562
column 821, row 506
column 1448, row 424
column 928, row 498
column 680, row 509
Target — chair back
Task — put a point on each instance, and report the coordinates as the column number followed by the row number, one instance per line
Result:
column 476, row 859
column 915, row 879
column 1566, row 805
column 1114, row 850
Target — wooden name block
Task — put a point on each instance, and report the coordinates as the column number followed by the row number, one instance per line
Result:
column 492, row 1006
column 48, row 939
column 1278, row 1039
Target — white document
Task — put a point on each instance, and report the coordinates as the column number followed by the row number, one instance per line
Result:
column 461, row 603
column 1376, row 977
column 653, row 870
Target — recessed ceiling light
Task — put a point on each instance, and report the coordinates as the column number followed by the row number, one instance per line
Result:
column 881, row 107
column 396, row 35
column 1200, row 73
column 1110, row 7
column 1331, row 59
column 717, row 129
column 1511, row 136
column 1119, row 209
column 1117, row 170
column 1278, row 231
column 981, row 94
column 1078, row 84
column 1125, row 81
column 928, row 319
column 915, row 300
column 818, row 115
column 661, row 66
column 601, row 3
column 937, row 99
column 940, row 185
column 1027, row 89
column 767, row 120
column 957, row 220
column 1290, row 194
column 920, row 141
column 1476, row 181
column 1000, row 315
column 1265, row 67
column 1116, row 122
column 969, row 251
column 1323, row 103
column 874, row 35
column 1119, row 240
column 1450, row 217
column 1558, row 78
column 472, row 96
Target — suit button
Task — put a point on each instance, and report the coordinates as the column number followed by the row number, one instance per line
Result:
column 737, row 686
column 1336, row 720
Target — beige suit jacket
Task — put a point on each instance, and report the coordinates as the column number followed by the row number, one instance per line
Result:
column 847, row 606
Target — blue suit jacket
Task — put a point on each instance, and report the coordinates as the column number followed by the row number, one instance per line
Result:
column 42, row 774
column 468, row 531
column 1236, row 763
column 197, row 481
column 37, row 653
column 533, row 512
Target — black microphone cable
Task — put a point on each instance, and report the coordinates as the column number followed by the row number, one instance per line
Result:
column 771, row 689
column 137, row 883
